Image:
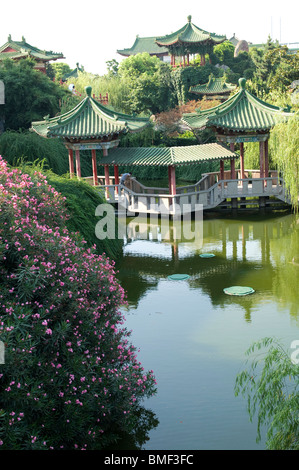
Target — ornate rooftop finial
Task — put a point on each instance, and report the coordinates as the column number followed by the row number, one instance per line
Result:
column 23, row 39
column 242, row 83
column 88, row 90
column 189, row 18
column 9, row 38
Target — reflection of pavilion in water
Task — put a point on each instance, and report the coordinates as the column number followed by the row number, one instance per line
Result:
column 242, row 257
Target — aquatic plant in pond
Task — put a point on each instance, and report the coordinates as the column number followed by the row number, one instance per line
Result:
column 71, row 378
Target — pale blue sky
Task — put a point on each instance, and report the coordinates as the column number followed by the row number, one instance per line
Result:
column 91, row 32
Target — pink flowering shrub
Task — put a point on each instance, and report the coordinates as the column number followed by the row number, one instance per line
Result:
column 71, row 379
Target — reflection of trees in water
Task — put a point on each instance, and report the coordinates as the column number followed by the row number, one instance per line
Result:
column 270, row 271
column 143, row 421
column 285, row 253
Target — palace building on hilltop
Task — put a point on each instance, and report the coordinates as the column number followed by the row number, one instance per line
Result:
column 17, row 50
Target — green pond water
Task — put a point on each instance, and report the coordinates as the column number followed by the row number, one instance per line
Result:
column 194, row 336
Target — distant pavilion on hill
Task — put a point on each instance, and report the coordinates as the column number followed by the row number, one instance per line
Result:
column 145, row 45
column 17, row 50
column 184, row 42
column 190, row 39
column 214, row 89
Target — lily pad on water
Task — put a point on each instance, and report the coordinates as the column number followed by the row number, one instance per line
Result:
column 207, row 255
column 238, row 290
column 178, row 277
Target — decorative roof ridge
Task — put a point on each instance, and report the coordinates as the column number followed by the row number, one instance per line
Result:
column 110, row 114
column 267, row 106
column 172, row 154
column 179, row 31
column 69, row 116
column 23, row 44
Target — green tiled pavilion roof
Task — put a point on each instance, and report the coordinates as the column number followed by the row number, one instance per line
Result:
column 144, row 45
column 215, row 86
column 166, row 156
column 19, row 49
column 242, row 112
column 73, row 73
column 88, row 120
column 189, row 34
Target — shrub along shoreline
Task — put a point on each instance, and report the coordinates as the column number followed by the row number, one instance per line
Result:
column 71, row 378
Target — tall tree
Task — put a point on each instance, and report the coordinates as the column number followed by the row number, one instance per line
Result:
column 29, row 94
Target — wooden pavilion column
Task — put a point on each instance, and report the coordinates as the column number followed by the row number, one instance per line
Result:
column 172, row 184
column 171, row 180
column 107, row 180
column 221, row 169
column 94, row 167
column 78, row 164
column 232, row 163
column 262, row 160
column 116, row 177
column 242, row 160
column 71, row 162
column 266, row 159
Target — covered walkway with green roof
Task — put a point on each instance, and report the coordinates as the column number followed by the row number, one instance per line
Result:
column 170, row 157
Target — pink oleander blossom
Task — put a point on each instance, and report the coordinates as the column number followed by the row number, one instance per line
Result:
column 70, row 356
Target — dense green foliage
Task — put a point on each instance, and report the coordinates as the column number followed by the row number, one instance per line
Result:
column 271, row 386
column 30, row 147
column 29, row 94
column 81, row 201
column 285, row 154
column 71, row 378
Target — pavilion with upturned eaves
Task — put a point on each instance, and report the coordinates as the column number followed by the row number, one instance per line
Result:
column 89, row 126
column 147, row 44
column 189, row 40
column 214, row 89
column 241, row 118
column 17, row 50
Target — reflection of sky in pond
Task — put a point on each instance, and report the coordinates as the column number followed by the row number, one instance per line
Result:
column 139, row 247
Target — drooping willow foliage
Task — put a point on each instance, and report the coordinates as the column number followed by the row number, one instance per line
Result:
column 284, row 146
column 270, row 384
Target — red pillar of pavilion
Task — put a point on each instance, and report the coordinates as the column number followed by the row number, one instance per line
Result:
column 171, row 183
column 94, row 167
column 232, row 163
column 171, row 180
column 232, row 169
column 78, row 164
column 107, row 180
column 71, row 163
column 106, row 168
column 221, row 169
column 266, row 159
column 116, row 176
column 242, row 160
